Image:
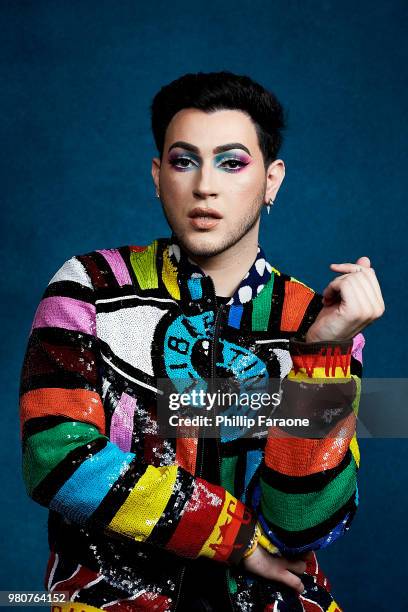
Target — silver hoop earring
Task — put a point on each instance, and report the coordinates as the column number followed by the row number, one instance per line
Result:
column 157, row 194
column 268, row 206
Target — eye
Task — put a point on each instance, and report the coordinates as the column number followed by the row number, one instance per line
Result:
column 239, row 163
column 185, row 163
column 231, row 164
column 178, row 162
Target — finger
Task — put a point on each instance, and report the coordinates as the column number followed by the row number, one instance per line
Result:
column 332, row 291
column 263, row 564
column 366, row 293
column 368, row 271
column 346, row 292
column 356, row 294
column 331, row 294
column 362, row 300
column 297, row 566
column 285, row 576
column 364, row 261
column 370, row 283
column 376, row 288
column 349, row 267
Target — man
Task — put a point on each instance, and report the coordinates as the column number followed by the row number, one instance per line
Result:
column 138, row 521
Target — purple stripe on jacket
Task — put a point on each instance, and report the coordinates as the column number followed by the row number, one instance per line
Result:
column 65, row 312
column 121, row 428
column 117, row 265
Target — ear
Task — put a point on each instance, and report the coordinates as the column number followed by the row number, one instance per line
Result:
column 274, row 177
column 156, row 171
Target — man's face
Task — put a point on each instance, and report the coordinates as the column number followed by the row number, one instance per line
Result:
column 193, row 174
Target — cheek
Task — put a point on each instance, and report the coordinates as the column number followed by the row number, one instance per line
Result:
column 245, row 190
column 175, row 184
column 247, row 181
column 245, row 187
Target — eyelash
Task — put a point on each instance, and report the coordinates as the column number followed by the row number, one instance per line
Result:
column 176, row 160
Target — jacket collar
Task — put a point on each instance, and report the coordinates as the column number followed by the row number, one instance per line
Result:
column 196, row 286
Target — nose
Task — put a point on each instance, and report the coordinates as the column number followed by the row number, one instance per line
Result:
column 205, row 184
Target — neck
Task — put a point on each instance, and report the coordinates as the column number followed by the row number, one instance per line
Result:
column 228, row 268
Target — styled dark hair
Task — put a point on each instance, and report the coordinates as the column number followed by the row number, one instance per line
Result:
column 213, row 91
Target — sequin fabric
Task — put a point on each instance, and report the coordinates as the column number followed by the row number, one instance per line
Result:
column 130, row 510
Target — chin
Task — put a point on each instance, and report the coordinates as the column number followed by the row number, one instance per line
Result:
column 203, row 244
column 200, row 243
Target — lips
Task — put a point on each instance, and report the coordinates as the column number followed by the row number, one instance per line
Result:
column 204, row 223
column 199, row 211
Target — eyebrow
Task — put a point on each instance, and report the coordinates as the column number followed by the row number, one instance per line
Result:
column 219, row 149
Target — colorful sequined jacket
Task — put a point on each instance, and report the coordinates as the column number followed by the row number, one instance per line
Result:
column 129, row 510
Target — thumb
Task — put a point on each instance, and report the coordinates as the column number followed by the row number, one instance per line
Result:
column 364, row 261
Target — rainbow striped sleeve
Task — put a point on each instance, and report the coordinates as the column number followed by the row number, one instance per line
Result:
column 72, row 467
column 306, row 495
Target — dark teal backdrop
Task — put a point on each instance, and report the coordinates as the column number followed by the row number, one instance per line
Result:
column 77, row 80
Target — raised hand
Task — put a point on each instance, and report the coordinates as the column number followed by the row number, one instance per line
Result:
column 350, row 303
